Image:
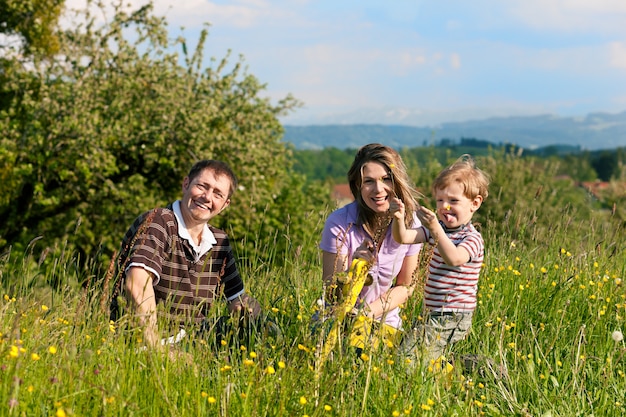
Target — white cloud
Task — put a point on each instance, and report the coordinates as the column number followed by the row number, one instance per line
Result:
column 617, row 51
column 598, row 16
column 455, row 61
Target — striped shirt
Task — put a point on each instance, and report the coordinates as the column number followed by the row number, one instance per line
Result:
column 185, row 281
column 453, row 288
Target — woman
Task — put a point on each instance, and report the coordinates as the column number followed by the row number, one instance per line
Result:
column 361, row 229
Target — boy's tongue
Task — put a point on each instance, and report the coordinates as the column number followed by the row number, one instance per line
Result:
column 449, row 218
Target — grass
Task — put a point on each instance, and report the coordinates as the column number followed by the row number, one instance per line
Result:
column 552, row 304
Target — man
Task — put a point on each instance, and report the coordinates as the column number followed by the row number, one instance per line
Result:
column 172, row 256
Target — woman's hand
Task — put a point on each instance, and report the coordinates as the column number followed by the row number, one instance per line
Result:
column 365, row 251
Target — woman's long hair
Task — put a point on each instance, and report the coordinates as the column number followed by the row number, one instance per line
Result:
column 402, row 186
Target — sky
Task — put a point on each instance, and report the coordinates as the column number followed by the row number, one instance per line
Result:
column 419, row 63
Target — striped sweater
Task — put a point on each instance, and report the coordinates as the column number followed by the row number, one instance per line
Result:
column 453, row 288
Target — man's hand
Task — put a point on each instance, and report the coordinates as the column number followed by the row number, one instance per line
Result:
column 245, row 304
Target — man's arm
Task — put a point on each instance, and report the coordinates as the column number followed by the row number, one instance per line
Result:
column 140, row 294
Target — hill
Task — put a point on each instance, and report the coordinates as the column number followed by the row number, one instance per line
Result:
column 592, row 132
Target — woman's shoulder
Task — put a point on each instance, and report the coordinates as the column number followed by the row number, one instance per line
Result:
column 344, row 215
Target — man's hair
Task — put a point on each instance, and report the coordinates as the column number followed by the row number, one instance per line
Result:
column 475, row 182
column 218, row 167
column 392, row 161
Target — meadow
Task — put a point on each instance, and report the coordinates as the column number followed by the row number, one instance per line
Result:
column 549, row 327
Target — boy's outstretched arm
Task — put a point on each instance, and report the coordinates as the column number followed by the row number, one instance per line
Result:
column 452, row 255
column 398, row 228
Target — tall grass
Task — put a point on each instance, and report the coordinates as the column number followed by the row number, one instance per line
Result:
column 551, row 307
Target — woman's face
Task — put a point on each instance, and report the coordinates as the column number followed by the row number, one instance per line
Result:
column 376, row 187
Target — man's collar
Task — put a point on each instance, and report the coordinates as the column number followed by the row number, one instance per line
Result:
column 208, row 239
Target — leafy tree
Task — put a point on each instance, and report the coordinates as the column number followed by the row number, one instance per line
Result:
column 34, row 21
column 110, row 127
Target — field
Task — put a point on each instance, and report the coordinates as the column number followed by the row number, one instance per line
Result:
column 548, row 332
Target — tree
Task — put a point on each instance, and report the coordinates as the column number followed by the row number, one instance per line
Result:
column 110, row 127
column 34, row 21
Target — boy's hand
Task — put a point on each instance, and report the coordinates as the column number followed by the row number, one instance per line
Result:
column 396, row 207
column 427, row 217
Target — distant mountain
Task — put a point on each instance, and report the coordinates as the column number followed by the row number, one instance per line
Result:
column 593, row 132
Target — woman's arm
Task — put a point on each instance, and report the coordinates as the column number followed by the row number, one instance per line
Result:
column 332, row 263
column 399, row 293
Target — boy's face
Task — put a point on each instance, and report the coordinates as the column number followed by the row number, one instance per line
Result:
column 453, row 207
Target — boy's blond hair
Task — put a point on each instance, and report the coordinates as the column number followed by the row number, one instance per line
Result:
column 475, row 182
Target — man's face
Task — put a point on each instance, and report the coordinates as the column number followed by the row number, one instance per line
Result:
column 204, row 197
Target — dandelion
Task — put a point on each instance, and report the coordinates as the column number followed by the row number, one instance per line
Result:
column 44, row 308
column 253, row 355
column 35, row 357
column 395, row 413
column 617, row 336
column 248, row 362
column 281, row 365
column 211, row 400
column 302, row 400
column 425, row 407
column 270, row 370
column 60, row 413
column 14, row 352
column 327, row 408
column 365, row 357
column 52, row 350
column 274, row 310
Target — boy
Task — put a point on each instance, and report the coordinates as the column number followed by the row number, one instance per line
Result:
column 452, row 282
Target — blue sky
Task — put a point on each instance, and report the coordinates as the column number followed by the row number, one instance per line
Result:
column 420, row 62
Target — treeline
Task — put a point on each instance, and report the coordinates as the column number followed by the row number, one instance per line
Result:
column 603, row 165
